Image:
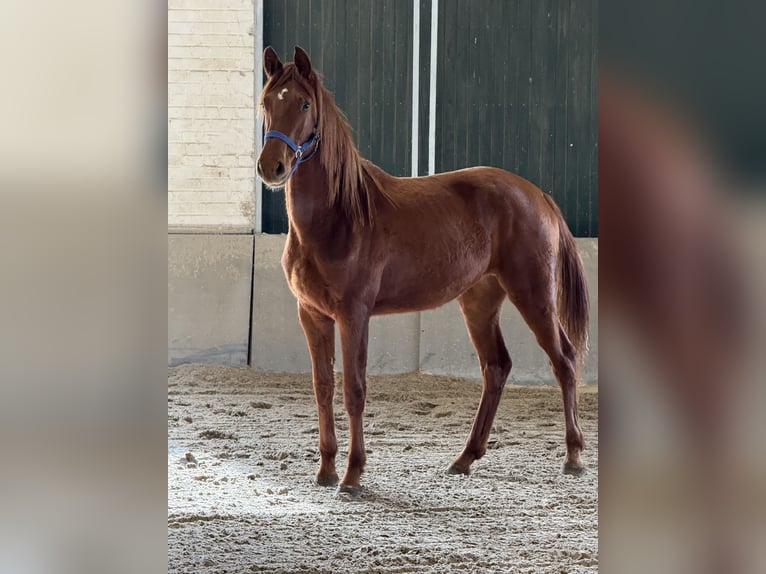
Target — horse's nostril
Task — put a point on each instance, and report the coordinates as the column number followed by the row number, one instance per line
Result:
column 259, row 168
column 280, row 168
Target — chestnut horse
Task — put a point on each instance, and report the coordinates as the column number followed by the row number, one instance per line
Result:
column 362, row 243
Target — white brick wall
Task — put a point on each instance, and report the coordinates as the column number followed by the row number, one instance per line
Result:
column 210, row 114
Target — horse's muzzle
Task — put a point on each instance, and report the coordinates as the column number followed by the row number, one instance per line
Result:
column 273, row 172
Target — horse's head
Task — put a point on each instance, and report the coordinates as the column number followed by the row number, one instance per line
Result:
column 289, row 108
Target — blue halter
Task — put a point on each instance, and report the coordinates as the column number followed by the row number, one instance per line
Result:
column 298, row 149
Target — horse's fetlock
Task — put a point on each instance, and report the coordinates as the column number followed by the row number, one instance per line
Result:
column 575, row 440
column 357, row 460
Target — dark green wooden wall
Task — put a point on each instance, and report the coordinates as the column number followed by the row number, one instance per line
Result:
column 516, row 87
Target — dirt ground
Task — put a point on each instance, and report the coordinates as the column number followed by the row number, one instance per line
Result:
column 242, row 452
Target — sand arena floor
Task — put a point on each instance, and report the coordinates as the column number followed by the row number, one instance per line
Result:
column 243, row 500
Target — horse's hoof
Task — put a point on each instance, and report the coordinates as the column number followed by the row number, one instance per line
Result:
column 348, row 491
column 574, row 468
column 455, row 469
column 326, row 480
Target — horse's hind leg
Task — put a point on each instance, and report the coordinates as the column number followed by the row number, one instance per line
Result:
column 481, row 309
column 533, row 294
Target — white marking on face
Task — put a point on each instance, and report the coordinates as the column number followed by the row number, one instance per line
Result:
column 281, row 95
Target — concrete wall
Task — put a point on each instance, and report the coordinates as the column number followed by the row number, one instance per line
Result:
column 209, row 280
column 433, row 341
column 211, row 118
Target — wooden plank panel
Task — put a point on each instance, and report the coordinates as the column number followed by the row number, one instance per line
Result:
column 593, row 141
column 542, row 67
column 562, row 190
column 425, row 80
column 447, row 86
column 494, row 25
column 348, row 40
column 401, row 136
column 524, row 88
column 378, row 85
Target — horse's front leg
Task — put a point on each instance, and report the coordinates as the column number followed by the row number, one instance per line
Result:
column 320, row 337
column 353, row 327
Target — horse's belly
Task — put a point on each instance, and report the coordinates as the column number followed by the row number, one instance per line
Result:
column 416, row 301
column 428, row 287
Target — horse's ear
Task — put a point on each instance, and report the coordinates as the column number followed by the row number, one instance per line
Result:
column 302, row 62
column 271, row 63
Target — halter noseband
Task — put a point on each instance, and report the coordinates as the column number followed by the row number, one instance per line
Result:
column 298, row 149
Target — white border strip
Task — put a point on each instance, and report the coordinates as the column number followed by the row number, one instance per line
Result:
column 257, row 87
column 432, row 88
column 415, row 83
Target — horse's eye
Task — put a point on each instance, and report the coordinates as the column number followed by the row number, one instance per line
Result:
column 305, row 105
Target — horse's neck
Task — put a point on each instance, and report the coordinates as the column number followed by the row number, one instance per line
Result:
column 311, row 217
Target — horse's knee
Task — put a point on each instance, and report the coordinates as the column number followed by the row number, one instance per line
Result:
column 324, row 390
column 353, row 399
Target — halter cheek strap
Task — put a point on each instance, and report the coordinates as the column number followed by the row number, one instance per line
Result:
column 299, row 150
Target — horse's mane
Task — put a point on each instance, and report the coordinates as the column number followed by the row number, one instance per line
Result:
column 350, row 180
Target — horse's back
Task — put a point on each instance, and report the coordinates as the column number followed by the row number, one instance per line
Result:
column 471, row 205
column 473, row 190
column 445, row 232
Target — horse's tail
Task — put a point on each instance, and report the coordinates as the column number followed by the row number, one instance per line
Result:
column 571, row 288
